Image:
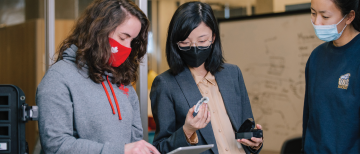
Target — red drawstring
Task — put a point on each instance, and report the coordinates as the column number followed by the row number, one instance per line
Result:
column 116, row 102
column 108, row 96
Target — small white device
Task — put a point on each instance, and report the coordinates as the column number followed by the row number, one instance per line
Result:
column 200, row 102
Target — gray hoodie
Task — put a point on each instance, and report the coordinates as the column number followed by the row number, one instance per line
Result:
column 76, row 116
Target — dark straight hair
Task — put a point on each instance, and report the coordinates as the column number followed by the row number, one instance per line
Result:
column 346, row 6
column 186, row 18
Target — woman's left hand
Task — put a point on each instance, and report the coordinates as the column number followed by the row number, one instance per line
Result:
column 255, row 142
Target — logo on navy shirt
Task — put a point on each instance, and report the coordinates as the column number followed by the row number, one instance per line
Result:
column 344, row 81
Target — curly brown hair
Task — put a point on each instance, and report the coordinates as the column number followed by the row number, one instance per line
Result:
column 90, row 35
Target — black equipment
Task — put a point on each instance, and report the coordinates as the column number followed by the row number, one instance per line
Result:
column 14, row 113
column 247, row 131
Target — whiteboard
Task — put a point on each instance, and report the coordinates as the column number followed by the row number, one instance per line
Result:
column 272, row 52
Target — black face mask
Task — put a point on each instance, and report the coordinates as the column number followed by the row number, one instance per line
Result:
column 195, row 57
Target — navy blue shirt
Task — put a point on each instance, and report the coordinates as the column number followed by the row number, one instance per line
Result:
column 331, row 120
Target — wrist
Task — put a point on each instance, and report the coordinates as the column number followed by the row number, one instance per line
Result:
column 188, row 132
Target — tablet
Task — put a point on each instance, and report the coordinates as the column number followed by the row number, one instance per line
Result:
column 191, row 149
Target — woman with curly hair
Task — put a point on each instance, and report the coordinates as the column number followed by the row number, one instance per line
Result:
column 86, row 101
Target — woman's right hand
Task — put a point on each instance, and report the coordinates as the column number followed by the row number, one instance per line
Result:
column 140, row 147
column 192, row 123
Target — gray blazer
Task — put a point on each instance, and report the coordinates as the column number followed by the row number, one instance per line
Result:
column 172, row 97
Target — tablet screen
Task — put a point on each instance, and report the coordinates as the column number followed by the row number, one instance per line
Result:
column 191, row 149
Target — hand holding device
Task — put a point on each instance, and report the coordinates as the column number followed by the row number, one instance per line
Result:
column 200, row 121
column 249, row 136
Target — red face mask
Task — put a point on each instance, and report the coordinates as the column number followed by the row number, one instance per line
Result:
column 119, row 53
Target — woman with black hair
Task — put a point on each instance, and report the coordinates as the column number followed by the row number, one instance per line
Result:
column 197, row 70
column 332, row 101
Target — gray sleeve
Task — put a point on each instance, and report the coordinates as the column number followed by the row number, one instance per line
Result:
column 136, row 128
column 56, row 120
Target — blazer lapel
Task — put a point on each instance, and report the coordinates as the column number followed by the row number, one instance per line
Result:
column 192, row 94
column 188, row 86
column 227, row 90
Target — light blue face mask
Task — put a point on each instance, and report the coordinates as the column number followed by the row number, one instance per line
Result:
column 328, row 33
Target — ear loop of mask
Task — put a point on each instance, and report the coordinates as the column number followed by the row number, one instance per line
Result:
column 329, row 25
column 340, row 22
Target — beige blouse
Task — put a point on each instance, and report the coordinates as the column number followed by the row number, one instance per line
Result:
column 220, row 122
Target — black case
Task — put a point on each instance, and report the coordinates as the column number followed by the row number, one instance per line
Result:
column 247, row 131
column 12, row 127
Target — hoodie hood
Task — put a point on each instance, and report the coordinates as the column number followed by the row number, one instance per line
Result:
column 70, row 53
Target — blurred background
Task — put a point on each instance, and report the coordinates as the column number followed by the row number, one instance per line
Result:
column 22, row 41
